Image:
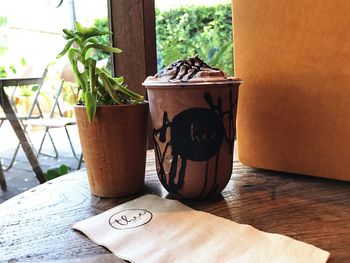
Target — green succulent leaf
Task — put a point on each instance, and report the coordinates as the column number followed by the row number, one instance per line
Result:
column 79, row 28
column 87, row 32
column 118, row 85
column 79, row 77
column 77, row 55
column 95, row 85
column 92, row 76
column 109, row 88
column 119, row 80
column 101, row 47
column 92, row 40
column 66, row 48
column 68, row 33
column 90, row 104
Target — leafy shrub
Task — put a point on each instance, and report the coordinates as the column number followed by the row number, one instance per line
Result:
column 3, row 73
column 185, row 31
column 3, row 20
column 3, row 47
column 56, row 171
column 102, row 24
column 5, row 70
column 202, row 30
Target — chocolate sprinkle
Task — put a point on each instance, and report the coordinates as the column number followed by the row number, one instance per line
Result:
column 186, row 69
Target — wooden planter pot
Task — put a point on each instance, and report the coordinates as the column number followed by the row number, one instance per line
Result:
column 114, row 148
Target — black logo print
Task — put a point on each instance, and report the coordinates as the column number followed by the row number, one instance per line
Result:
column 130, row 218
column 197, row 134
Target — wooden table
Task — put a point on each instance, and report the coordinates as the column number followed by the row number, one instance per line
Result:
column 35, row 226
column 17, row 127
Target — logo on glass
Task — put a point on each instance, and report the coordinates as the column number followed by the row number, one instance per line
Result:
column 130, row 218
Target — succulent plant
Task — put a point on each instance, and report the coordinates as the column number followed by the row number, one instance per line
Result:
column 96, row 86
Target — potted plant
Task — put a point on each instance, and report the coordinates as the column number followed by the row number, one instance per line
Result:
column 111, row 119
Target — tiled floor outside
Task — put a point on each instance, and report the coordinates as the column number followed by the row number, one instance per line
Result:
column 20, row 177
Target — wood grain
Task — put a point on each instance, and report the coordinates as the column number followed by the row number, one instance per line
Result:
column 35, row 226
column 114, row 148
column 134, row 33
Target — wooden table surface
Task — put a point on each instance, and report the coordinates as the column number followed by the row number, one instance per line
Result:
column 35, row 226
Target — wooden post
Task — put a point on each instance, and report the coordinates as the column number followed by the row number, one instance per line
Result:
column 133, row 27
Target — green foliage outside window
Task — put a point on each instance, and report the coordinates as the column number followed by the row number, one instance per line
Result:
column 102, row 24
column 3, row 47
column 3, row 20
column 202, row 30
column 56, row 171
column 185, row 31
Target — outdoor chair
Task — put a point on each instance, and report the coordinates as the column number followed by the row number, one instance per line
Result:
column 24, row 116
column 56, row 118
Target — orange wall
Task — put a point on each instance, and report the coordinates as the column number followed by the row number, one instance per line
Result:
column 294, row 105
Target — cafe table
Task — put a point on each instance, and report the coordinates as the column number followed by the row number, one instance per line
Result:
column 16, row 125
column 35, row 226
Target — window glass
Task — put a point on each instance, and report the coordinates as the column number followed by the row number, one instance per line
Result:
column 31, row 31
column 188, row 27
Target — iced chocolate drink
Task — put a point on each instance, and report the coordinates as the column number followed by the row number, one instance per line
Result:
column 193, row 110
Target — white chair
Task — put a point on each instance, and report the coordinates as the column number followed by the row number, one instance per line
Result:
column 54, row 122
column 23, row 117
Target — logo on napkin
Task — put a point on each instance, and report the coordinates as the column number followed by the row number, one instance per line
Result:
column 130, row 218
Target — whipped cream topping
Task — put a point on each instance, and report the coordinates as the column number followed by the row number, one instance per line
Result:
column 189, row 70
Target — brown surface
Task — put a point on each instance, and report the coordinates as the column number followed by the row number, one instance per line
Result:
column 294, row 108
column 114, row 148
column 35, row 226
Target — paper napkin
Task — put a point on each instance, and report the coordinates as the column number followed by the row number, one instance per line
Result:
column 151, row 229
